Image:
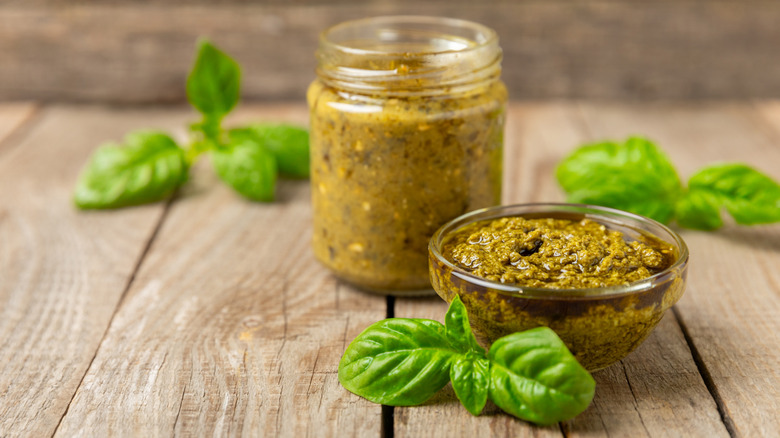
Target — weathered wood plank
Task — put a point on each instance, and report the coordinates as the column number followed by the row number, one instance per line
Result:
column 656, row 391
column 12, row 116
column 230, row 328
column 730, row 309
column 62, row 272
column 769, row 111
column 599, row 48
column 207, row 341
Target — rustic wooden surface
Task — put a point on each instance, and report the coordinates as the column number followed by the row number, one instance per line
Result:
column 62, row 273
column 12, row 118
column 185, row 319
column 112, row 51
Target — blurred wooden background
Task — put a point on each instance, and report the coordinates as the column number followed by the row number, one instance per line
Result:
column 139, row 52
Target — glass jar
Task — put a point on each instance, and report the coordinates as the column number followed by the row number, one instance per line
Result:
column 407, row 125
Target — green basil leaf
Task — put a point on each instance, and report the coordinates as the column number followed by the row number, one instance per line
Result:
column 469, row 375
column 149, row 167
column 458, row 330
column 289, row 144
column 750, row 196
column 398, row 361
column 533, row 376
column 214, row 82
column 249, row 168
column 635, row 176
column 699, row 210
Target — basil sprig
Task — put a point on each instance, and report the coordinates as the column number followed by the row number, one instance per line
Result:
column 403, row 362
column 637, row 176
column 149, row 166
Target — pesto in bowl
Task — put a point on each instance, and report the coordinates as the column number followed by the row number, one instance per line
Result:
column 513, row 270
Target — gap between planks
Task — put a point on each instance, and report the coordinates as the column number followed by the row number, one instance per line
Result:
column 632, row 395
column 391, row 304
column 705, row 375
column 121, row 301
column 694, row 136
column 207, row 316
column 388, row 412
column 588, row 131
column 63, row 271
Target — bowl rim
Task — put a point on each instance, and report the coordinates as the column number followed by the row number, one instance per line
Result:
column 514, row 290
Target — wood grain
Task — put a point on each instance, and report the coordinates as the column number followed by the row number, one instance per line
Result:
column 62, row 272
column 230, row 327
column 655, row 391
column 111, row 51
column 730, row 309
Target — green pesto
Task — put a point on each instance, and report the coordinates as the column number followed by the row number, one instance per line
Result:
column 599, row 329
column 386, row 173
column 555, row 253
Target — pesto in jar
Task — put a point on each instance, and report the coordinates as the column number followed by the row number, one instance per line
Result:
column 404, row 137
column 555, row 253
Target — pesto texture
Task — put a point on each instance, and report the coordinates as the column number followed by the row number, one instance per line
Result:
column 555, row 253
column 387, row 172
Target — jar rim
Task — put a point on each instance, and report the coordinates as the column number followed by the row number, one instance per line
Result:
column 409, row 55
column 484, row 36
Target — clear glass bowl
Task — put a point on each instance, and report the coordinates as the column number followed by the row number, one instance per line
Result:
column 599, row 325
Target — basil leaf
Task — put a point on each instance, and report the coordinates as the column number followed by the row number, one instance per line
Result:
column 149, row 167
column 289, row 144
column 699, row 210
column 456, row 324
column 398, row 361
column 750, row 196
column 635, row 176
column 533, row 376
column 469, row 375
column 214, row 82
column 247, row 167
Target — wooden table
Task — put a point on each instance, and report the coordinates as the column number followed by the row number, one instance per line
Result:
column 185, row 318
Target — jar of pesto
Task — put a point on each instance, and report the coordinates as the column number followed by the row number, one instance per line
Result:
column 407, row 122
